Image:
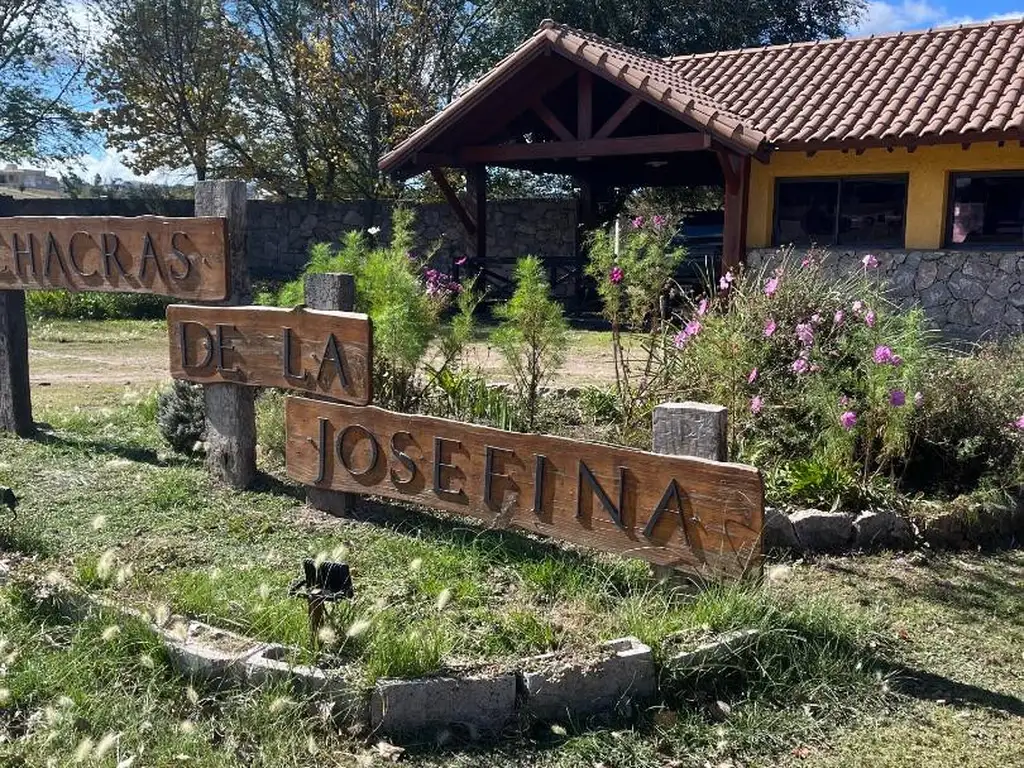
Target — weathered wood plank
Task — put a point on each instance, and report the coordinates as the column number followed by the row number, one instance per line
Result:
column 688, row 513
column 15, row 397
column 324, row 353
column 184, row 258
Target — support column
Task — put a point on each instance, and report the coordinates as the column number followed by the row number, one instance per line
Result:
column 476, row 185
column 230, row 408
column 736, row 172
column 333, row 292
column 15, row 398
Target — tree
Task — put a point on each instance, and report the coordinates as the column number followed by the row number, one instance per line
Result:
column 167, row 76
column 39, row 74
column 672, row 27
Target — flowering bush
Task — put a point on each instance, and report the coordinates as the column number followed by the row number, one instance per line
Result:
column 815, row 371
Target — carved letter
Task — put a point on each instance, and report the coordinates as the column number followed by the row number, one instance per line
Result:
column 321, row 464
column 183, row 343
column 439, row 464
column 149, row 255
column 539, row 462
column 75, row 265
column 52, row 249
column 286, row 358
column 110, row 253
column 489, row 473
column 339, row 446
column 405, row 460
column 19, row 252
column 614, row 512
column 332, row 353
column 180, row 256
column 223, row 345
column 672, row 492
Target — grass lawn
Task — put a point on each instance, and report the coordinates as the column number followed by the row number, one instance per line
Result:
column 886, row 660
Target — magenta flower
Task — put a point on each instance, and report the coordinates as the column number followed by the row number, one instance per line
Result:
column 806, row 262
column 692, row 328
column 800, row 365
column 638, row 222
column 1019, row 423
column 848, row 420
column 616, row 275
column 918, row 399
column 869, row 262
column 462, row 261
column 869, row 318
column 725, row 281
column 771, row 286
column 815, row 319
column 680, row 340
column 882, row 355
column 838, row 318
column 805, row 332
column 659, row 222
column 752, row 377
column 769, row 327
column 897, row 398
column 757, row 403
column 702, row 308
column 858, row 305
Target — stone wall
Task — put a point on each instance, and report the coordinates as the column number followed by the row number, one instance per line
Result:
column 280, row 233
column 967, row 294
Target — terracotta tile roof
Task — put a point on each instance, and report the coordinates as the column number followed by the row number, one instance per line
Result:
column 653, row 79
column 942, row 85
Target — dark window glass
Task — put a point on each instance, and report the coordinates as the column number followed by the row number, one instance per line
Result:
column 805, row 212
column 851, row 211
column 987, row 209
column 871, row 211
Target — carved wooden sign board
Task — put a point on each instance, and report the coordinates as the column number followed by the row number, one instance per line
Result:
column 184, row 258
column 689, row 513
column 324, row 353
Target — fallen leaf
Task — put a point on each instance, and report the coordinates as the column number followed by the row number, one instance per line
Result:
column 389, row 751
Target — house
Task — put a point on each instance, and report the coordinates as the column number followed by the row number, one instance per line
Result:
column 22, row 178
column 907, row 146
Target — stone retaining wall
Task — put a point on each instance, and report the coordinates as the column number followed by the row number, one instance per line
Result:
column 967, row 294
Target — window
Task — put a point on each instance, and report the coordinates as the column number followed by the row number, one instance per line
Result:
column 856, row 211
column 986, row 209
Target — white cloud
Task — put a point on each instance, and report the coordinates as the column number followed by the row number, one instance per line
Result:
column 881, row 17
column 110, row 166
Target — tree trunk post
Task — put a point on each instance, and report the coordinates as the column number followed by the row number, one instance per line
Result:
column 230, row 408
column 334, row 292
column 689, row 429
column 15, row 397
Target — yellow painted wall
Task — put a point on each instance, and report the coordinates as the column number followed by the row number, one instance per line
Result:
column 928, row 168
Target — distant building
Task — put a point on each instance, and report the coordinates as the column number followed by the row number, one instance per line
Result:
column 23, row 178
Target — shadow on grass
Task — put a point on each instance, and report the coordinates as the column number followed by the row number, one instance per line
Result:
column 46, row 435
column 928, row 686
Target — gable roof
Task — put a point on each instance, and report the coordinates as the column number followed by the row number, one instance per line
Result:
column 654, row 80
column 941, row 85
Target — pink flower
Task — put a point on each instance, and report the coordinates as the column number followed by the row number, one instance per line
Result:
column 844, row 401
column 869, row 318
column 771, row 286
column 659, row 222
column 869, row 262
column 616, row 275
column 918, row 399
column 725, row 281
column 757, row 403
column 769, row 327
column 805, row 332
column 800, row 365
column 462, row 261
column 838, row 318
column 897, row 398
column 702, row 308
column 1019, row 423
column 680, row 340
column 806, row 262
column 692, row 328
column 882, row 355
column 858, row 305
column 848, row 420
column 752, row 377
column 638, row 222
column 815, row 319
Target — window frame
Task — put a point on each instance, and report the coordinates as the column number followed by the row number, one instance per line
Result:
column 839, row 179
column 947, row 236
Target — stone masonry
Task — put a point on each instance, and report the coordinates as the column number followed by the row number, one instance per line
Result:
column 969, row 295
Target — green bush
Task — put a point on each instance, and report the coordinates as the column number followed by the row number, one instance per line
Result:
column 181, row 415
column 65, row 305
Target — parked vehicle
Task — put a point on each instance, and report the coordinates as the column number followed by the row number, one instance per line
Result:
column 701, row 234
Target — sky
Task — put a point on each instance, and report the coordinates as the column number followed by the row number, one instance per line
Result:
column 879, row 18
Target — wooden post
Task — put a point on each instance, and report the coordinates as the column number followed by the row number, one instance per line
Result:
column 476, row 185
column 230, row 408
column 689, row 429
column 334, row 292
column 736, row 173
column 15, row 399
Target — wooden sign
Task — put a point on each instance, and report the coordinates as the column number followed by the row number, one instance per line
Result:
column 688, row 513
column 326, row 353
column 181, row 258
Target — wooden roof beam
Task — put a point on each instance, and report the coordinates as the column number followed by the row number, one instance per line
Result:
column 633, row 145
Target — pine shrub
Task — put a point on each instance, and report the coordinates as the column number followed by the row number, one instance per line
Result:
column 181, row 415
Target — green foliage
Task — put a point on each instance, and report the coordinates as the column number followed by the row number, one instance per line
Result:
column 181, row 415
column 270, row 426
column 464, row 395
column 533, row 334
column 65, row 305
